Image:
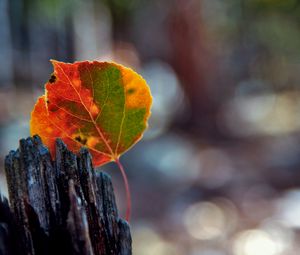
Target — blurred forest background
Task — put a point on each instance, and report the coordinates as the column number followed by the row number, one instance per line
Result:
column 218, row 171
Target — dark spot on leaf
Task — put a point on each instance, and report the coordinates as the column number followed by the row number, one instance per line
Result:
column 81, row 140
column 52, row 108
column 48, row 102
column 52, row 78
column 130, row 91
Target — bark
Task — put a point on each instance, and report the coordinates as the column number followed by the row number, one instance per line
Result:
column 59, row 207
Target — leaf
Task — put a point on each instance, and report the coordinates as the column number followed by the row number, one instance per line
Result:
column 103, row 106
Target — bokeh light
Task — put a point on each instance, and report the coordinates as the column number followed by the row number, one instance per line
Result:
column 168, row 96
column 254, row 241
column 289, row 208
column 205, row 221
column 149, row 242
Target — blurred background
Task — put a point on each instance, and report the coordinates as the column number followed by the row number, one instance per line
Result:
column 218, row 171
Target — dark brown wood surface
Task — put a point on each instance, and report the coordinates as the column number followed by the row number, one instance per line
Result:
column 59, row 207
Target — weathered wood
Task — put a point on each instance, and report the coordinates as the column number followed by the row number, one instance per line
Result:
column 59, row 207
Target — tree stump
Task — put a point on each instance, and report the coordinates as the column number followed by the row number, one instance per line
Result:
column 59, row 207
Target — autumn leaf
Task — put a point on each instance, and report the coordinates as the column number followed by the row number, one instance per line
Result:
column 103, row 106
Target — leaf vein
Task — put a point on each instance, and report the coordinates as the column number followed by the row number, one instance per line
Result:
column 122, row 123
column 71, row 114
column 68, row 136
column 95, row 124
column 106, row 98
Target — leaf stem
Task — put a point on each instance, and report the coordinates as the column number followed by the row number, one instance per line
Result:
column 128, row 196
